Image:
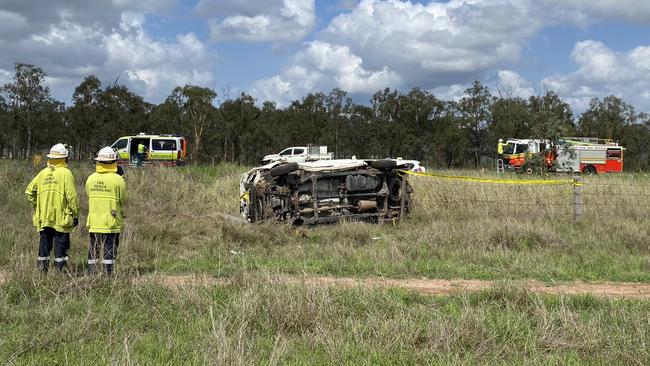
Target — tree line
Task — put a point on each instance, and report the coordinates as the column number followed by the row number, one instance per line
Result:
column 413, row 125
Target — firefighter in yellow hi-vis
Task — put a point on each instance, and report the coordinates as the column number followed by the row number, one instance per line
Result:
column 500, row 147
column 106, row 197
column 53, row 196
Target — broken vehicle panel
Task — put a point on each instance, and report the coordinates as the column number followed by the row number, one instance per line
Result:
column 326, row 192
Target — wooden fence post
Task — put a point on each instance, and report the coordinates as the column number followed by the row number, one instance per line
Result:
column 577, row 197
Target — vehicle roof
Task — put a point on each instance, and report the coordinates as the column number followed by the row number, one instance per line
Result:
column 524, row 141
column 153, row 136
column 331, row 165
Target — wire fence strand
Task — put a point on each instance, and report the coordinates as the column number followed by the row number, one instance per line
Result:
column 443, row 192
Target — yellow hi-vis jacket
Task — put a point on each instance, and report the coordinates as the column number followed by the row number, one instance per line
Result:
column 53, row 196
column 500, row 147
column 106, row 197
column 140, row 149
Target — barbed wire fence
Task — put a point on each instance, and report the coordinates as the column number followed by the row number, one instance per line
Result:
column 574, row 198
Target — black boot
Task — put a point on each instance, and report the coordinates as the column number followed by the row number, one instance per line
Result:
column 109, row 269
column 43, row 265
column 60, row 265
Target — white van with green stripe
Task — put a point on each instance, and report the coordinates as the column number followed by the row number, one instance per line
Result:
column 162, row 150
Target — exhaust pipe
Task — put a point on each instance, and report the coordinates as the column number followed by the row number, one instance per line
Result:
column 365, row 205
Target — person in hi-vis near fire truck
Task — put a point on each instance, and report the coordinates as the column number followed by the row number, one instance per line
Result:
column 106, row 197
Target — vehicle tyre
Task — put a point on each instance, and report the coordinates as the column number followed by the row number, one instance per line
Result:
column 395, row 189
column 284, row 169
column 383, row 164
column 589, row 170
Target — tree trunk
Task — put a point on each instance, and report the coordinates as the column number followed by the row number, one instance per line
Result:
column 29, row 142
column 225, row 148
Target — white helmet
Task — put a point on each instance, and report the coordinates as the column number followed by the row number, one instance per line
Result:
column 500, row 140
column 106, row 154
column 58, row 151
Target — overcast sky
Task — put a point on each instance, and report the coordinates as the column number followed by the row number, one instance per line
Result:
column 282, row 49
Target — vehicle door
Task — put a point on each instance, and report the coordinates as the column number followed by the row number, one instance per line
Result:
column 299, row 154
column 121, row 146
column 286, row 154
column 133, row 146
column 182, row 151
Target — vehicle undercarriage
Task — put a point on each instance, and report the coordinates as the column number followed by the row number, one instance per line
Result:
column 326, row 192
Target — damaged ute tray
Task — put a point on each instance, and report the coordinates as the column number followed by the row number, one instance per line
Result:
column 326, row 191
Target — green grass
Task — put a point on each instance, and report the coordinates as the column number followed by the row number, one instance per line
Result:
column 58, row 320
column 176, row 224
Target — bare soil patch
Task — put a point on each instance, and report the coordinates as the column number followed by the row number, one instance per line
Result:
column 440, row 287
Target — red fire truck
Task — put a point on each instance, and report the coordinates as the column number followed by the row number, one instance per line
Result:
column 588, row 155
column 570, row 154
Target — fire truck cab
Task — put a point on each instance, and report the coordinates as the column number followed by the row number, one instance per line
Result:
column 516, row 151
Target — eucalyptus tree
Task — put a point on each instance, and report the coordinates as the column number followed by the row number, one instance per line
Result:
column 198, row 113
column 28, row 101
column 476, row 113
column 84, row 117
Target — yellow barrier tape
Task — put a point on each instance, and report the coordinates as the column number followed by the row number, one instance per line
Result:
column 500, row 181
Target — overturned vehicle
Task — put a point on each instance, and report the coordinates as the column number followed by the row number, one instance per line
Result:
column 326, row 191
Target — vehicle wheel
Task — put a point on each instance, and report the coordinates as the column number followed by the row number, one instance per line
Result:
column 383, row 164
column 284, row 169
column 589, row 170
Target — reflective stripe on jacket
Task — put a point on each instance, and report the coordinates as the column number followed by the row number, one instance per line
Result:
column 53, row 195
column 106, row 197
column 140, row 149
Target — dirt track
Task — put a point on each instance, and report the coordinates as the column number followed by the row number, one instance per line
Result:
column 423, row 286
column 442, row 287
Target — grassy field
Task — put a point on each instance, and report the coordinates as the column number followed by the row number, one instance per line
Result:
column 258, row 321
column 180, row 221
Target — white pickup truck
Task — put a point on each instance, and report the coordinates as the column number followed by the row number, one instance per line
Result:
column 300, row 154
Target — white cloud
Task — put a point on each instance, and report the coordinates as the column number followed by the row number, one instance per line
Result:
column 256, row 21
column 404, row 44
column 430, row 42
column 345, row 67
column 511, row 84
column 320, row 66
column 444, row 46
column 601, row 72
column 440, row 46
column 71, row 39
column 102, row 15
column 586, row 12
column 450, row 92
column 597, row 62
column 150, row 67
column 153, row 67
